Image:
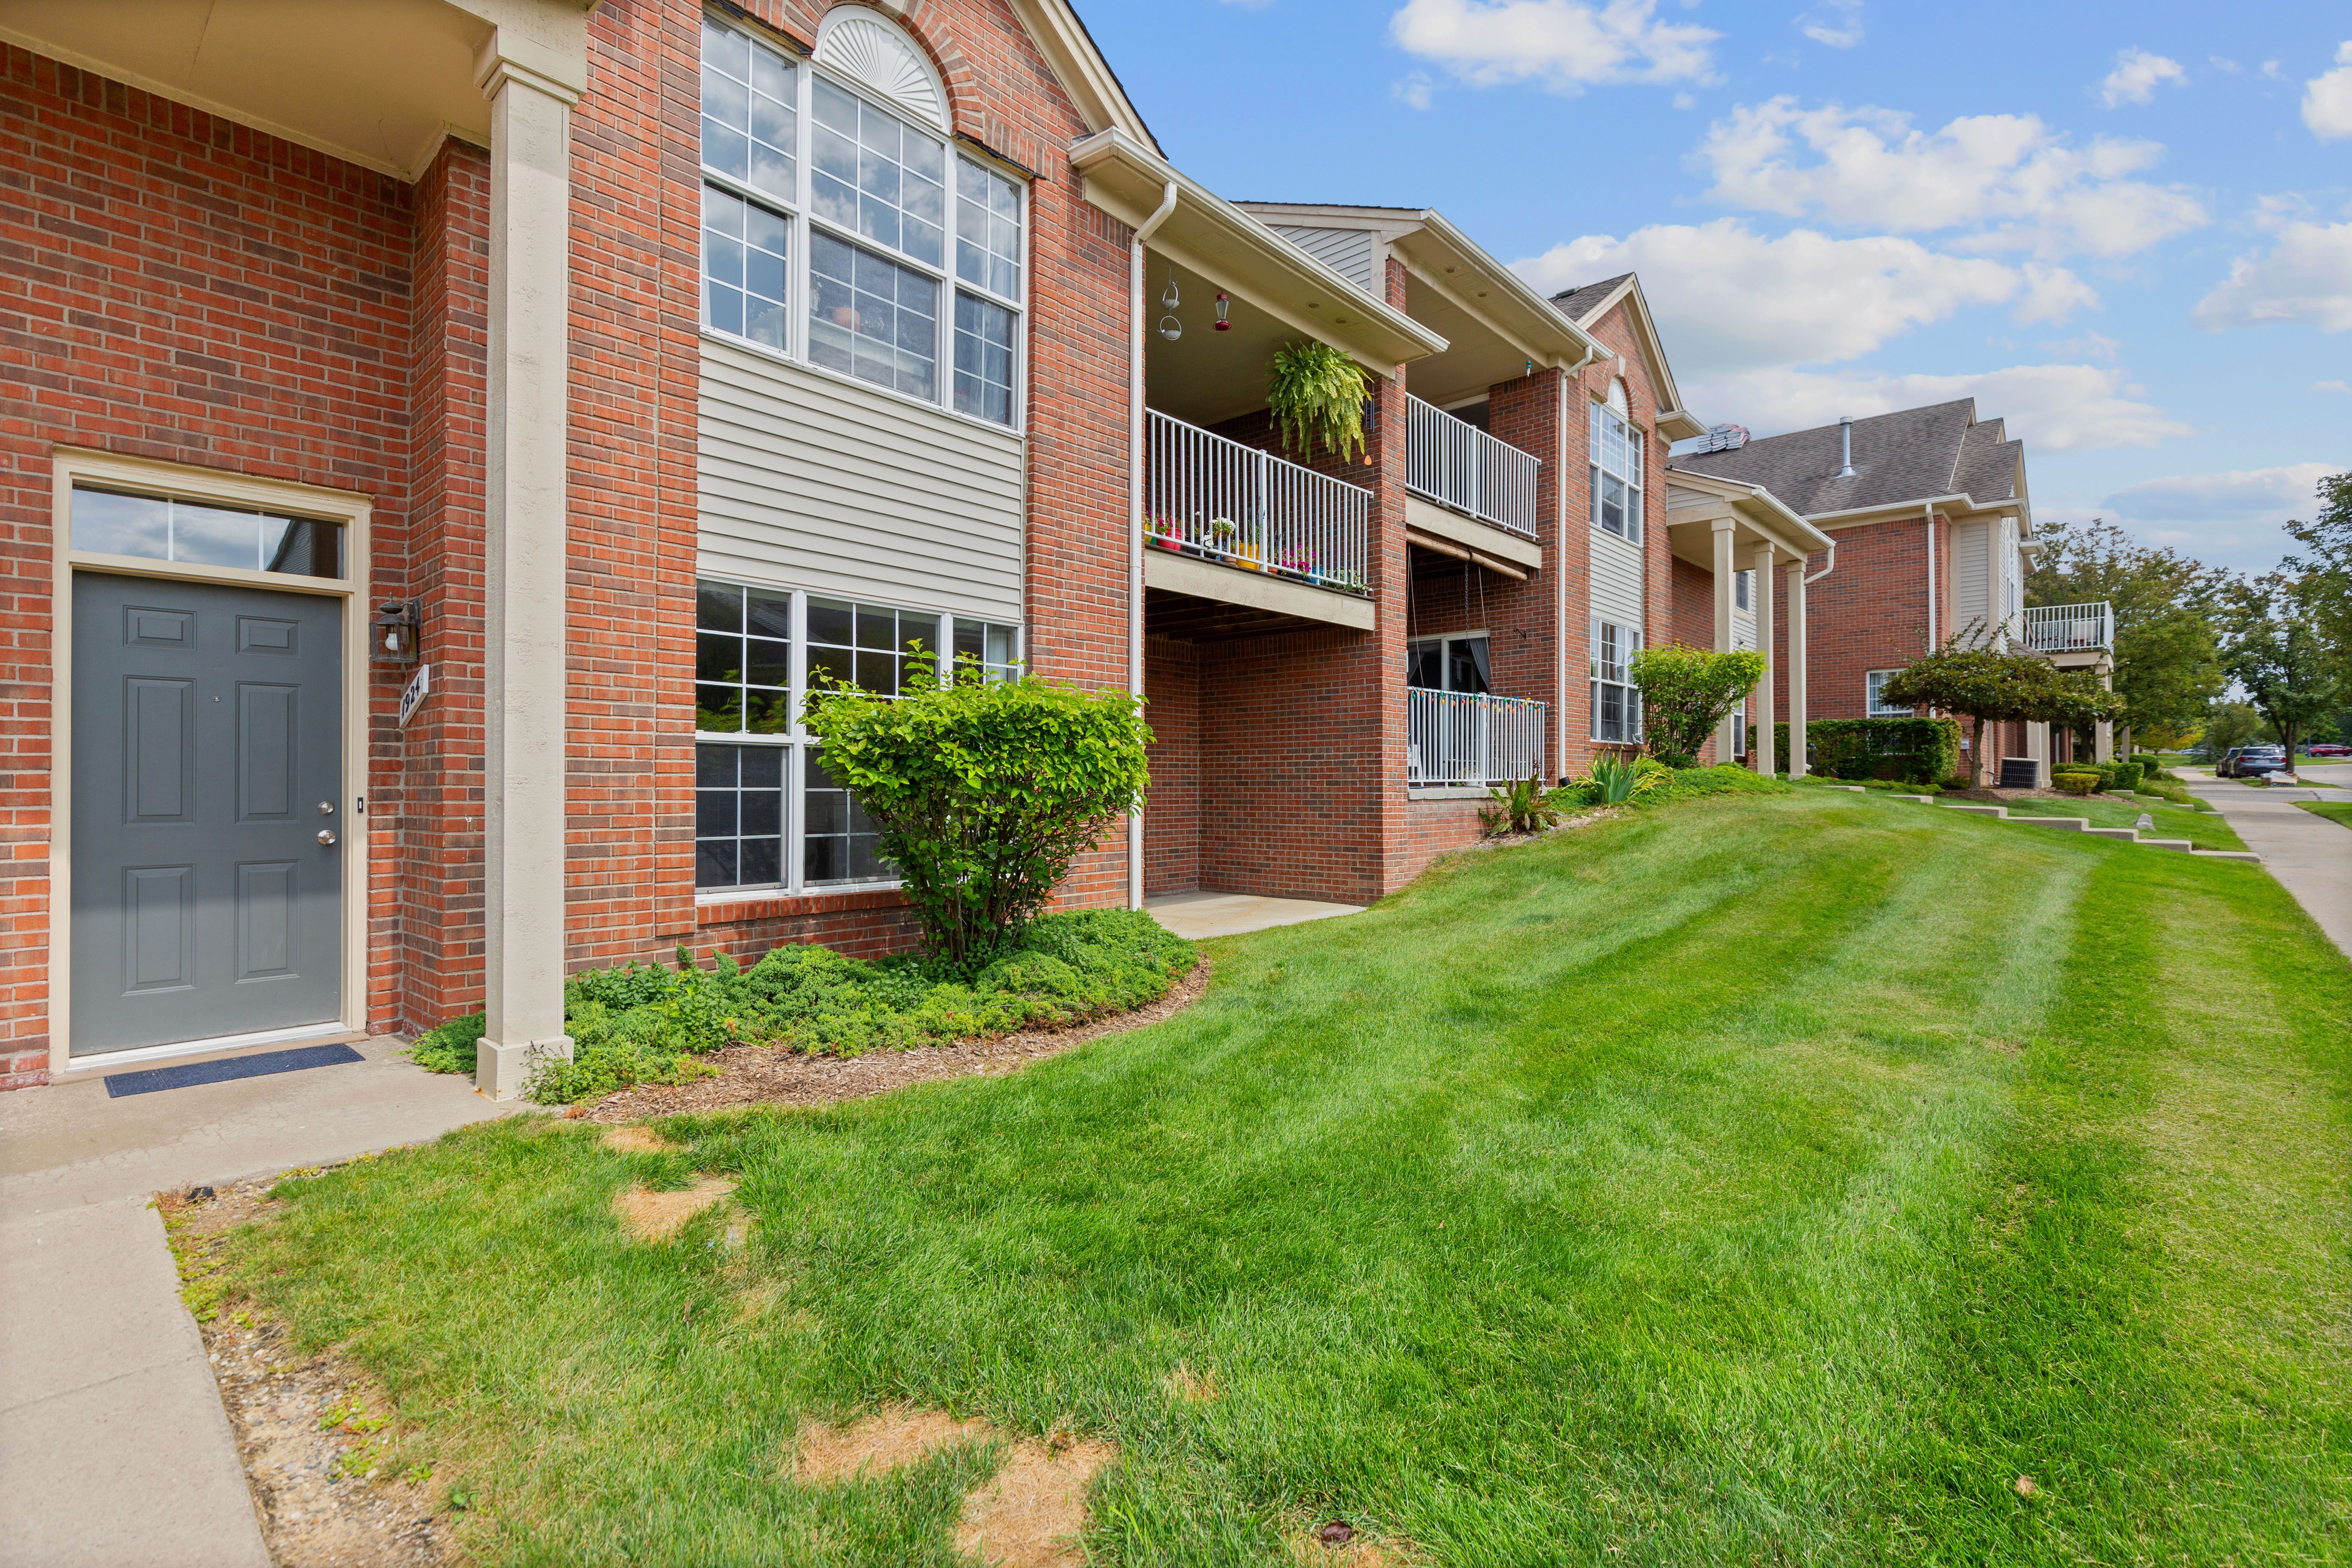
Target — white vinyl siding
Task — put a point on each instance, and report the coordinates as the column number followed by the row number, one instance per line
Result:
column 845, row 490
column 1970, row 604
column 1616, row 579
column 1743, row 611
column 1352, row 253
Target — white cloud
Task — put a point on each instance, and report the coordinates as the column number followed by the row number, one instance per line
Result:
column 1838, row 24
column 2305, row 277
column 1413, row 90
column 2136, row 75
column 2010, row 178
column 2345, row 387
column 2224, row 519
column 2327, row 98
column 1730, row 299
column 1566, row 44
column 2052, row 407
column 2052, row 294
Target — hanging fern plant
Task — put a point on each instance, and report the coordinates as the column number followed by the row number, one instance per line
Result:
column 1315, row 393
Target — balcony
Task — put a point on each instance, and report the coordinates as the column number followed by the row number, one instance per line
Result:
column 1461, row 737
column 2071, row 628
column 1211, row 499
column 1457, row 465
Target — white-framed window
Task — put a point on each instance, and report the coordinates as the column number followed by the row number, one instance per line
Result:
column 1740, row 735
column 767, row 814
column 1616, row 703
column 1871, row 683
column 1616, row 464
column 826, row 234
column 204, row 533
column 1741, row 591
column 1458, row 663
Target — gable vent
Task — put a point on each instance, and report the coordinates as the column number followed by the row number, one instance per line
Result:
column 878, row 56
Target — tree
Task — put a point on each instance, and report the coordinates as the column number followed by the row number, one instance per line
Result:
column 1991, row 687
column 2168, row 660
column 2278, row 658
column 2323, row 576
column 1687, row 692
column 2227, row 724
column 982, row 790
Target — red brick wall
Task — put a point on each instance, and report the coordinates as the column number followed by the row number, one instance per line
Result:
column 1171, row 817
column 1870, row 614
column 180, row 287
column 1434, row 827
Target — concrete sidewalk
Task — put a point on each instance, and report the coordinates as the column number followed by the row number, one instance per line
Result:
column 1198, row 916
column 2310, row 856
column 112, row 1432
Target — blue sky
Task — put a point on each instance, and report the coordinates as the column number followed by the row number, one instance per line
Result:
column 2126, row 229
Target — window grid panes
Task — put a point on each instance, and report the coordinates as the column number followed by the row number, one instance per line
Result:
column 742, row 660
column 1872, row 682
column 887, row 184
column 866, row 645
column 988, row 230
column 840, row 843
column 1616, row 703
column 750, row 107
column 871, row 317
column 876, row 176
column 1616, row 462
column 1449, row 664
column 996, row 649
column 984, row 358
column 745, row 264
column 157, row 528
column 739, row 816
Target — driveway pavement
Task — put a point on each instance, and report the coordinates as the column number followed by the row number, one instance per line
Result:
column 2309, row 855
column 113, row 1438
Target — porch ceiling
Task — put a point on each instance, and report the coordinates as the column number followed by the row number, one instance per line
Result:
column 376, row 82
column 1186, row 619
column 1206, row 375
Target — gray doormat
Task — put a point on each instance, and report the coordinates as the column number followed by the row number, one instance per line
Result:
column 151, row 1079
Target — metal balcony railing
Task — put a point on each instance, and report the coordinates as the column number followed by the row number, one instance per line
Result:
column 1222, row 501
column 1471, row 737
column 2070, row 628
column 1458, row 464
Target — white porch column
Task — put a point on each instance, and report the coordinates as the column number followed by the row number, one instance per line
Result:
column 524, row 555
column 1759, row 744
column 2102, row 738
column 1726, row 568
column 1797, row 667
column 2037, row 746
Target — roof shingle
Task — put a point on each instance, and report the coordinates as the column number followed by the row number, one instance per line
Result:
column 1913, row 453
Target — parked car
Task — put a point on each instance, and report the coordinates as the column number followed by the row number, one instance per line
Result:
column 2328, row 749
column 2254, row 762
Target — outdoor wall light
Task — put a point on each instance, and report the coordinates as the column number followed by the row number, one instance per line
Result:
column 392, row 633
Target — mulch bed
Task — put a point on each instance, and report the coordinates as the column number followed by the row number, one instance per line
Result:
column 770, row 1075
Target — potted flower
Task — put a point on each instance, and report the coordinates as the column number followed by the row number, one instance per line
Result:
column 1221, row 534
column 1162, row 533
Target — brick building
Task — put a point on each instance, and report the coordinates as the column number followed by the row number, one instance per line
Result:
column 1934, row 528
column 445, row 437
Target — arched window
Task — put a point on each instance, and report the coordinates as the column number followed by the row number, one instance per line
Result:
column 842, row 230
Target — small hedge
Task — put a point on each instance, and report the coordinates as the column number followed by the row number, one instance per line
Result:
column 1725, row 778
column 648, row 1024
column 1860, row 749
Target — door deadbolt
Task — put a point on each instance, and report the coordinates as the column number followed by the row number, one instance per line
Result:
column 326, row 836
column 326, row 808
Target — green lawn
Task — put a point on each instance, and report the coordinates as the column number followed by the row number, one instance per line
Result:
column 2335, row 811
column 2204, row 829
column 1763, row 1180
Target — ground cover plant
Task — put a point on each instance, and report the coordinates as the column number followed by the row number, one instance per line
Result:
column 1807, row 1177
column 650, row 1023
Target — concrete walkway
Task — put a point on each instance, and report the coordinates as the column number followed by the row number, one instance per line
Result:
column 1195, row 916
column 2310, row 856
column 112, row 1437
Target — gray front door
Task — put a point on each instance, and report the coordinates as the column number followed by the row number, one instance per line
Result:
column 207, row 761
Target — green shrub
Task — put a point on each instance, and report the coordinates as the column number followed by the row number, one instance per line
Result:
column 1725, row 778
column 1956, row 782
column 647, row 1023
column 2075, row 782
column 1523, row 805
column 2119, row 777
column 1615, row 780
column 1687, row 692
column 1860, row 749
column 983, row 792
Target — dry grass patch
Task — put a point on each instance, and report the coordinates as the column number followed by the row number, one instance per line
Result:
column 637, row 1138
column 1033, row 1512
column 658, row 1216
column 1192, row 1387
column 879, row 1444
column 1334, row 1543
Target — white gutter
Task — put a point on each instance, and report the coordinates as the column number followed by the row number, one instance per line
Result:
column 1136, row 313
column 1931, row 576
column 1827, row 566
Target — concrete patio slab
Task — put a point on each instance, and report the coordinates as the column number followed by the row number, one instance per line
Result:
column 1198, row 916
column 110, row 1423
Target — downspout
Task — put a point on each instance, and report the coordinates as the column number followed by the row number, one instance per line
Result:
column 1827, row 566
column 1135, row 441
column 1931, row 576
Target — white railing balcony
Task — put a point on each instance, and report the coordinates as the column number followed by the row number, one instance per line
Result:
column 1222, row 501
column 1457, row 464
column 2070, row 628
column 1471, row 737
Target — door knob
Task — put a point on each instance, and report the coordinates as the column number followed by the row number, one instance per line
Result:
column 326, row 836
column 326, row 808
